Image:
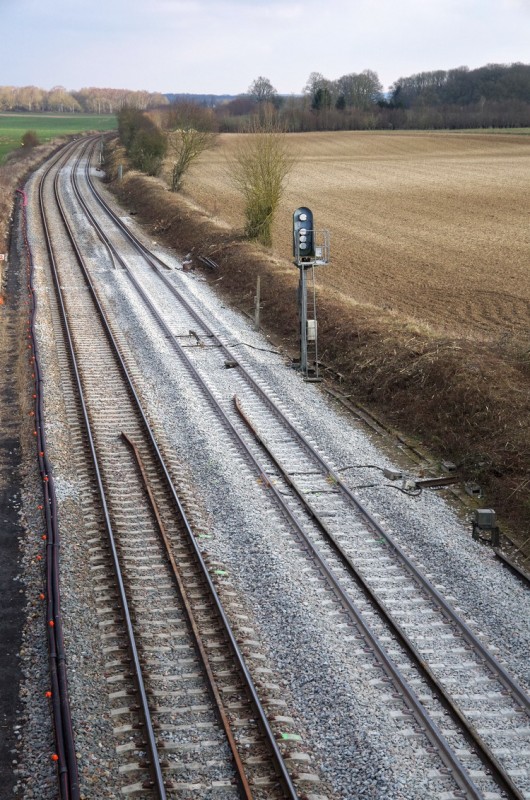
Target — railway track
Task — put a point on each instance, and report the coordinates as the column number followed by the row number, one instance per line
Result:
column 428, row 655
column 187, row 715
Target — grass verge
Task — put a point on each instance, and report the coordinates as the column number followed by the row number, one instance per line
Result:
column 12, row 176
column 48, row 127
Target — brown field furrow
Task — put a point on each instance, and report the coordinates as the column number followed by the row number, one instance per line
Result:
column 434, row 226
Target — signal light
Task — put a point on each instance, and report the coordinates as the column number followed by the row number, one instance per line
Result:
column 303, row 244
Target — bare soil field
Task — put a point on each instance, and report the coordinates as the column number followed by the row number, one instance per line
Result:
column 433, row 226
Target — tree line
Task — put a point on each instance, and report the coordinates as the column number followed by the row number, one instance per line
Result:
column 496, row 95
column 88, row 100
column 495, row 83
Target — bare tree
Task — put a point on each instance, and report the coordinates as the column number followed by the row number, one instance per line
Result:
column 186, row 145
column 258, row 169
column 320, row 90
column 262, row 90
column 359, row 90
column 58, row 99
column 191, row 131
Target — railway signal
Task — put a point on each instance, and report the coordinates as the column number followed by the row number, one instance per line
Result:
column 303, row 247
column 310, row 250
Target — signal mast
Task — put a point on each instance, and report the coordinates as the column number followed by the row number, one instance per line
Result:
column 310, row 250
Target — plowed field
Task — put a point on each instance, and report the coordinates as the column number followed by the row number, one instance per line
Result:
column 434, row 226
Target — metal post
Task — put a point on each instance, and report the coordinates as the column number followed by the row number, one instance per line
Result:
column 310, row 249
column 257, row 301
column 316, row 323
column 303, row 321
column 120, row 171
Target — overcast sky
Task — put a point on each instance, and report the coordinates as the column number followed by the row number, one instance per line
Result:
column 220, row 46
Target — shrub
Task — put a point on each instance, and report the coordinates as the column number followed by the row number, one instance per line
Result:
column 145, row 143
column 30, row 139
column 258, row 169
column 192, row 130
column 147, row 150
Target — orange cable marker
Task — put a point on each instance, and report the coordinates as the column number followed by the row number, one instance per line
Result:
column 55, row 757
column 51, row 623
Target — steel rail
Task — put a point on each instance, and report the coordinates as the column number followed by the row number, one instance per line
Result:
column 496, row 669
column 155, row 766
column 412, row 700
column 192, row 622
column 280, row 765
column 522, row 574
column 432, row 732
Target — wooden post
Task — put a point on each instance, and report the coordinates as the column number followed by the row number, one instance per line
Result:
column 2, row 265
column 257, row 300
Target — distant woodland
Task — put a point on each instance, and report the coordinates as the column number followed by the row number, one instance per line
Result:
column 493, row 96
column 496, row 95
column 90, row 100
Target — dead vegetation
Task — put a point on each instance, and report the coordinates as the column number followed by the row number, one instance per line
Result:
column 12, row 175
